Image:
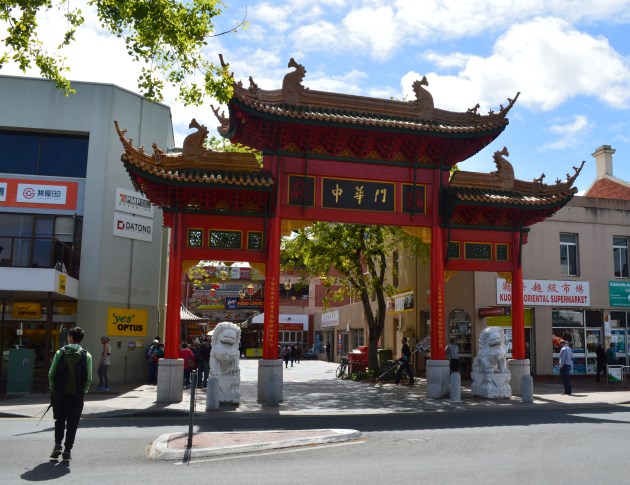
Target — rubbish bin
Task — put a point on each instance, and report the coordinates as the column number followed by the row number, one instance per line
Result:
column 384, row 355
column 357, row 359
column 20, row 373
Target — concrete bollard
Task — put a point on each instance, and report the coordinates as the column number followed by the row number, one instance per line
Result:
column 527, row 389
column 273, row 391
column 212, row 394
column 456, row 387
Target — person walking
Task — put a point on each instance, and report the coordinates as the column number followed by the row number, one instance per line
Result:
column 189, row 363
column 405, row 363
column 286, row 355
column 601, row 360
column 69, row 378
column 566, row 364
column 203, row 364
column 452, row 354
column 103, row 365
column 328, row 357
column 153, row 358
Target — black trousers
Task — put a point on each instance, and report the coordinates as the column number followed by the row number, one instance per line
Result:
column 67, row 413
column 407, row 367
column 601, row 369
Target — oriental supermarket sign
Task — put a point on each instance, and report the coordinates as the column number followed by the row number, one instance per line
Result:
column 547, row 293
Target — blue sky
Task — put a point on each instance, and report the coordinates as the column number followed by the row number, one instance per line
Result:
column 570, row 59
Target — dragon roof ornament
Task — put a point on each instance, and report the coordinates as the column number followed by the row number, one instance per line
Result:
column 296, row 100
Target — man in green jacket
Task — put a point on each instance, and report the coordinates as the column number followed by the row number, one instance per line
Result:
column 69, row 377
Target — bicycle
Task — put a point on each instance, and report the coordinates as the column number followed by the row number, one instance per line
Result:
column 342, row 370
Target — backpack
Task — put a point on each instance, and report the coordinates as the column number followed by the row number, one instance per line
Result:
column 71, row 375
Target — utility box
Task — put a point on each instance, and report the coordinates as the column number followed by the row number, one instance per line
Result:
column 21, row 370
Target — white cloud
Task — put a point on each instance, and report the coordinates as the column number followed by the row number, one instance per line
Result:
column 569, row 133
column 547, row 60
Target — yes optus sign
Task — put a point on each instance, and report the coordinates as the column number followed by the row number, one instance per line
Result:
column 127, row 322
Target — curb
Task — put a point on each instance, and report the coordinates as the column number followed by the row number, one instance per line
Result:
column 171, row 447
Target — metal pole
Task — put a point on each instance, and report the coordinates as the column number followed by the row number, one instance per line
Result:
column 191, row 414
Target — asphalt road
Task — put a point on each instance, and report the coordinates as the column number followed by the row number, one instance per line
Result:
column 501, row 446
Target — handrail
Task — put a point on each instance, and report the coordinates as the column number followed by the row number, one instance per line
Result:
column 38, row 252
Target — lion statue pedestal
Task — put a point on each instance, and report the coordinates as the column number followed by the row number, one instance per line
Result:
column 224, row 361
column 490, row 373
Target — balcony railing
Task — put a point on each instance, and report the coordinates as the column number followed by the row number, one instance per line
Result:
column 39, row 252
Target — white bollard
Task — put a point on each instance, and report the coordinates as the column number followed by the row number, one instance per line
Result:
column 212, row 394
column 527, row 389
column 456, row 387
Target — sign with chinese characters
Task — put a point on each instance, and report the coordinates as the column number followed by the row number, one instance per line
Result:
column 37, row 194
column 619, row 293
column 547, row 293
column 330, row 319
column 358, row 195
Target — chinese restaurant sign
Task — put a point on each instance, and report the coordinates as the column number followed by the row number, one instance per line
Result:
column 547, row 293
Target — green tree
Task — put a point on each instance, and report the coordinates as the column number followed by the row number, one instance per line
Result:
column 359, row 256
column 166, row 36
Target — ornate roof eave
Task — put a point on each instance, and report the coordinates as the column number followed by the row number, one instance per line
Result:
column 294, row 101
column 195, row 165
column 497, row 198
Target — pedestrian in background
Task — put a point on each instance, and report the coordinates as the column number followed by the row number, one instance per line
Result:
column 203, row 364
column 328, row 351
column 189, row 363
column 611, row 355
column 405, row 362
column 153, row 358
column 103, row 365
column 286, row 355
column 601, row 360
column 452, row 354
column 566, row 364
column 69, row 378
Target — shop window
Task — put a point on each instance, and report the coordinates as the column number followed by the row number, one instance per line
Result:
column 569, row 254
column 620, row 256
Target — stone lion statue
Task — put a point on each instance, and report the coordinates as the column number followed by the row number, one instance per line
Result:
column 224, row 356
column 492, row 356
column 490, row 373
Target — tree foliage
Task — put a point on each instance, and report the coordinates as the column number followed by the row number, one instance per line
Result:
column 224, row 145
column 359, row 256
column 165, row 36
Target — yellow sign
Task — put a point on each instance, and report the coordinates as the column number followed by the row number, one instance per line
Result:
column 62, row 283
column 27, row 310
column 127, row 322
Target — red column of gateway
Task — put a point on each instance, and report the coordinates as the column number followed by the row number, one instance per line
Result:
column 174, row 297
column 437, row 277
column 272, row 288
column 518, row 308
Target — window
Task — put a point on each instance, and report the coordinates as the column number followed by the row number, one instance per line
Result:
column 569, row 254
column 620, row 255
column 43, row 154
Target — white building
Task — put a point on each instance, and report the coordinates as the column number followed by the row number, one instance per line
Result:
column 66, row 201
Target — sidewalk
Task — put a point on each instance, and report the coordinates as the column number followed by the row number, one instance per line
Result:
column 310, row 388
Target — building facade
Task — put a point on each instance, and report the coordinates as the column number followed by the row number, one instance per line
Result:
column 79, row 245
